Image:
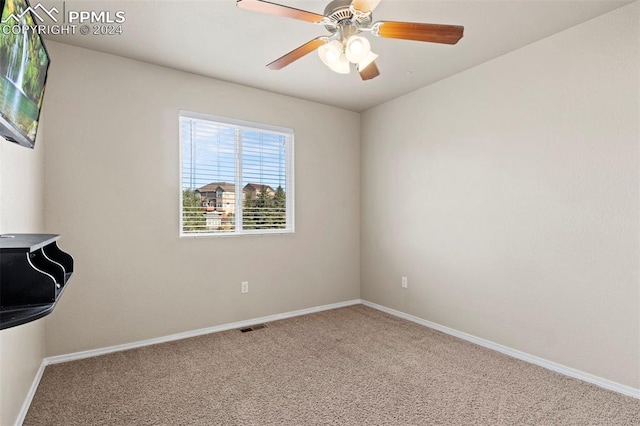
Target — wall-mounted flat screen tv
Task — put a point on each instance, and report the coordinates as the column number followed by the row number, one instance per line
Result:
column 24, row 63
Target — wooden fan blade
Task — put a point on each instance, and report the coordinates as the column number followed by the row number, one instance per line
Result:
column 365, row 5
column 296, row 54
column 434, row 33
column 279, row 10
column 371, row 71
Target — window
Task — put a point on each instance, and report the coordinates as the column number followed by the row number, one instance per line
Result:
column 248, row 166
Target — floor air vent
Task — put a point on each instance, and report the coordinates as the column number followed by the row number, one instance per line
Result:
column 252, row 328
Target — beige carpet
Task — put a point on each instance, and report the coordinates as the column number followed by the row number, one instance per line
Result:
column 349, row 366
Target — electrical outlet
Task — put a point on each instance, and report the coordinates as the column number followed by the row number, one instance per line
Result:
column 244, row 287
column 405, row 282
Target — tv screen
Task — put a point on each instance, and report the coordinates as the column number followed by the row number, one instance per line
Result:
column 24, row 63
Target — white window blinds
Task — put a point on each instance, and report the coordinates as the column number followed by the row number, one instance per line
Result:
column 236, row 177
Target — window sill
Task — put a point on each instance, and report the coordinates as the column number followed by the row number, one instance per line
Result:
column 236, row 234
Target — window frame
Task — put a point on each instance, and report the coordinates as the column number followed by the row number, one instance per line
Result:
column 289, row 177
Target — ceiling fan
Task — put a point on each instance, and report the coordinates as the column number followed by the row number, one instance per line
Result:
column 345, row 20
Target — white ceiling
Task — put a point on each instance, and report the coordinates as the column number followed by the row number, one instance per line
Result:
column 214, row 38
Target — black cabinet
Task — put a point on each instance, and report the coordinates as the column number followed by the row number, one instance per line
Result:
column 33, row 275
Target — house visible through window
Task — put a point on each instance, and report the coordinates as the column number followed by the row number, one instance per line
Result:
column 236, row 177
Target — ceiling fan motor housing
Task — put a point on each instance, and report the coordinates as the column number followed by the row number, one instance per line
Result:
column 340, row 14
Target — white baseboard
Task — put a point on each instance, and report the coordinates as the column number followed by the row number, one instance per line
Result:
column 224, row 327
column 550, row 365
column 32, row 392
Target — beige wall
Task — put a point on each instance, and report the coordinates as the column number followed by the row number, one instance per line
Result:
column 21, row 200
column 518, row 189
column 112, row 192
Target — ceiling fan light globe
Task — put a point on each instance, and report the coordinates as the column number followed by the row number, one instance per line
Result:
column 322, row 53
column 332, row 56
column 330, row 53
column 357, row 48
column 341, row 66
